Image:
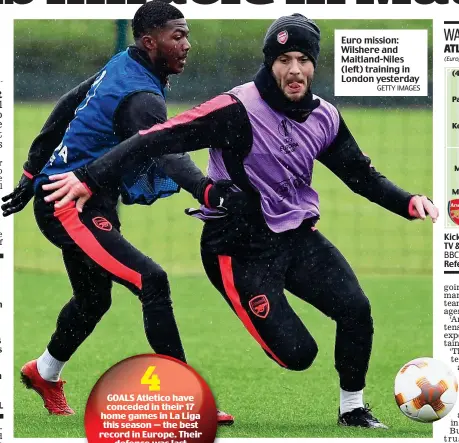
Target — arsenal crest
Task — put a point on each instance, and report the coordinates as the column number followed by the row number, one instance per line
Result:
column 282, row 37
column 102, row 223
column 453, row 210
column 259, row 305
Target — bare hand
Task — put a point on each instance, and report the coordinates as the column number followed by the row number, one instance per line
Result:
column 421, row 207
column 67, row 188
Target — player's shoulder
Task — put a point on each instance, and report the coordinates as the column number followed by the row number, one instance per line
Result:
column 247, row 91
column 326, row 106
column 328, row 114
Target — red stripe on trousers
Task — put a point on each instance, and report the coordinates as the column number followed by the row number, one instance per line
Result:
column 221, row 101
column 226, row 270
column 85, row 239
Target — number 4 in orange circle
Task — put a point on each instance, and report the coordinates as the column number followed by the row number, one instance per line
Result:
column 151, row 379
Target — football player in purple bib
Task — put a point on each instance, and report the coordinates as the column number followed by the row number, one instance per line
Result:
column 265, row 136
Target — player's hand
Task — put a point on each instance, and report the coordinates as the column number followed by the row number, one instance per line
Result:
column 421, row 207
column 17, row 200
column 222, row 197
column 216, row 194
column 67, row 187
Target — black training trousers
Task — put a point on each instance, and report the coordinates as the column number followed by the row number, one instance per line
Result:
column 95, row 254
column 251, row 267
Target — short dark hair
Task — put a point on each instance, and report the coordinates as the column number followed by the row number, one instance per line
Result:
column 153, row 14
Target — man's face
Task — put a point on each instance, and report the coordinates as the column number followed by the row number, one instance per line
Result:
column 293, row 72
column 171, row 46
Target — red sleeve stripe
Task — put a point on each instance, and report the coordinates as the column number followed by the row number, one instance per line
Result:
column 219, row 102
column 226, row 270
column 27, row 174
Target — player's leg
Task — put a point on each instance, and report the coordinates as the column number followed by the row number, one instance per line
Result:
column 91, row 300
column 254, row 290
column 96, row 234
column 77, row 319
column 320, row 275
column 136, row 271
column 95, row 231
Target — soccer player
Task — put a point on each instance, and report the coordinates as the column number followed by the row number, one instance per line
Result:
column 127, row 95
column 265, row 136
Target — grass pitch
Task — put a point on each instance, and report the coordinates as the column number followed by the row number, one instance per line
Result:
column 267, row 400
column 391, row 256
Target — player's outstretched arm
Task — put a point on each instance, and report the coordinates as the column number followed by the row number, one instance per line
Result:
column 43, row 146
column 219, row 123
column 345, row 159
column 143, row 110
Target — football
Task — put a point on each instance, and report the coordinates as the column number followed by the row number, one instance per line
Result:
column 425, row 389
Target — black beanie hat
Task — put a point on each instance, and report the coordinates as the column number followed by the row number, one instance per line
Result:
column 292, row 33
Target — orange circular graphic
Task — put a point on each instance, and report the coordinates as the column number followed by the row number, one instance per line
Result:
column 151, row 398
